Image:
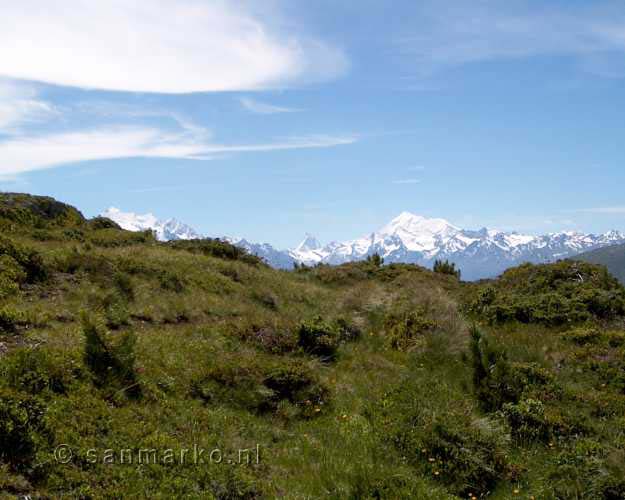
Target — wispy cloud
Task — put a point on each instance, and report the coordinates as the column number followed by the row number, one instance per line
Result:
column 457, row 32
column 25, row 154
column 21, row 105
column 124, row 46
column 264, row 108
column 406, row 181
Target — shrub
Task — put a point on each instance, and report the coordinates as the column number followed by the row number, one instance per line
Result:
column 11, row 319
column 527, row 420
column 103, row 223
column 35, row 371
column 272, row 339
column 403, row 330
column 28, row 259
column 262, row 388
column 111, row 361
column 567, row 292
column 348, row 331
column 319, row 338
column 23, row 429
column 375, row 259
column 298, row 385
column 216, row 248
column 112, row 238
column 446, row 267
column 434, row 427
column 266, row 298
column 170, row 281
column 123, row 284
column 496, row 380
column 11, row 275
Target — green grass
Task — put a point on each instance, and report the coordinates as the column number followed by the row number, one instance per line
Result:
column 355, row 381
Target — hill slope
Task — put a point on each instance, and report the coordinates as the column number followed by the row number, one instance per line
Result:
column 119, row 352
column 613, row 257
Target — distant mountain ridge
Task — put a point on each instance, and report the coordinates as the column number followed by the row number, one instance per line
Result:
column 407, row 238
column 613, row 257
column 167, row 230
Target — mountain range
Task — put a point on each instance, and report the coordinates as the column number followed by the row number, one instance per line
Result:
column 408, row 238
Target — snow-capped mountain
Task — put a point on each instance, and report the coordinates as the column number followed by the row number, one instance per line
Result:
column 167, row 230
column 479, row 254
column 407, row 238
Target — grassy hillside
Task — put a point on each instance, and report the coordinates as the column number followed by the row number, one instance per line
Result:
column 358, row 381
column 613, row 257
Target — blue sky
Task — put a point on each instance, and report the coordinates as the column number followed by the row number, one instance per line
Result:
column 272, row 119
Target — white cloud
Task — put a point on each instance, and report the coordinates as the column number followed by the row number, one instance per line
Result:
column 406, row 181
column 457, row 32
column 24, row 154
column 19, row 105
column 168, row 46
column 264, row 108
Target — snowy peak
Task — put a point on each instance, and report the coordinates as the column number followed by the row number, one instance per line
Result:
column 407, row 238
column 416, row 232
column 309, row 244
column 167, row 230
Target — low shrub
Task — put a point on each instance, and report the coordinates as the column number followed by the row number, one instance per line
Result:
column 11, row 319
column 496, row 380
column 170, row 281
column 245, row 383
column 123, row 284
column 437, row 430
column 270, row 338
column 446, row 267
column 348, row 331
column 404, row 330
column 319, row 338
column 566, row 292
column 35, row 371
column 112, row 238
column 29, row 261
column 216, row 248
column 11, row 276
column 110, row 360
column 24, row 429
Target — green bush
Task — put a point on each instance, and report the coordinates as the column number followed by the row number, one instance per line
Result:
column 29, row 260
column 436, row 429
column 123, row 284
column 216, row 248
column 112, row 238
column 567, row 292
column 404, row 329
column 110, row 360
column 348, row 331
column 11, row 276
column 170, row 281
column 11, row 319
column 245, row 383
column 35, row 371
column 318, row 338
column 496, row 380
column 375, row 259
column 23, row 429
column 271, row 338
column 446, row 267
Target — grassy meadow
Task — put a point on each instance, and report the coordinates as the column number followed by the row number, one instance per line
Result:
column 363, row 380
